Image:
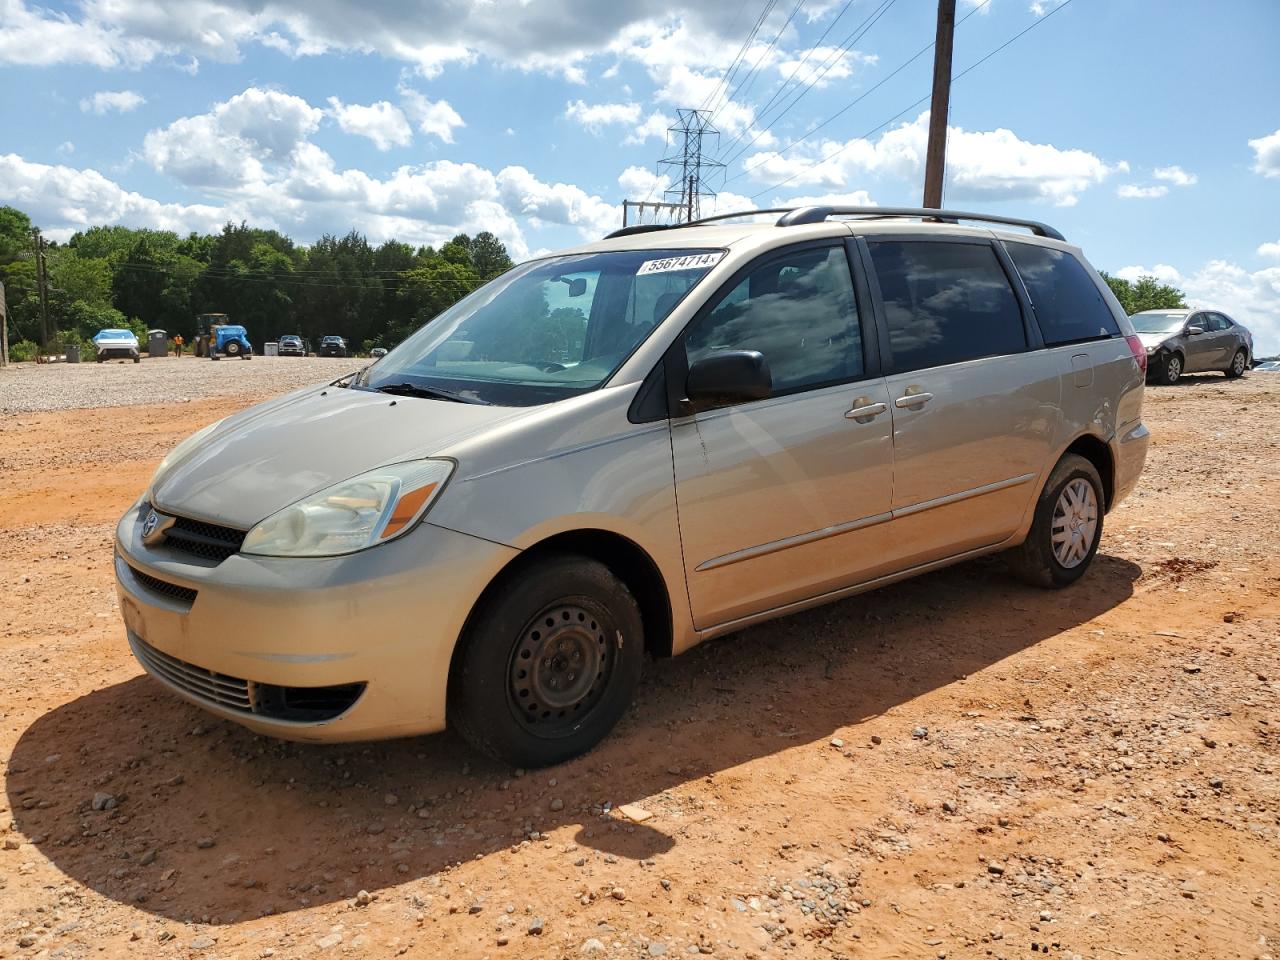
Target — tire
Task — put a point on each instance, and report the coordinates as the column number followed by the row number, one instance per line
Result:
column 553, row 615
column 246, row 356
column 232, row 349
column 137, row 359
column 1035, row 560
column 1239, row 363
column 1170, row 371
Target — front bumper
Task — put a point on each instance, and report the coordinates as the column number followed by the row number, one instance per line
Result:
column 117, row 353
column 230, row 636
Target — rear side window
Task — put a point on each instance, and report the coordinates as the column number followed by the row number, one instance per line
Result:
column 1067, row 303
column 945, row 303
column 799, row 311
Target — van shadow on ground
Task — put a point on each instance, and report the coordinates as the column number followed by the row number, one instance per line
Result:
column 295, row 825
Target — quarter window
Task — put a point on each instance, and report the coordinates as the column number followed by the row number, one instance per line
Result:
column 1068, row 305
column 799, row 311
column 945, row 303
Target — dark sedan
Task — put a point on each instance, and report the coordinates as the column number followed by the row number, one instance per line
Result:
column 1192, row 341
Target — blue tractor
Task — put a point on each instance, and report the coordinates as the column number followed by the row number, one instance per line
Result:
column 216, row 338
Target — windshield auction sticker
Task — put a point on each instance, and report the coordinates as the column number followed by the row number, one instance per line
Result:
column 695, row 261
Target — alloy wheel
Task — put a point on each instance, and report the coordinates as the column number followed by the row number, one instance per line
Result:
column 1075, row 523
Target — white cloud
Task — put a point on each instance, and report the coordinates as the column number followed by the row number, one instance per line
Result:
column 1132, row 191
column 987, row 165
column 1266, row 154
column 1176, row 175
column 595, row 116
column 1252, row 298
column 434, row 117
column 63, row 199
column 122, row 101
column 429, row 34
column 233, row 143
column 1269, row 250
column 381, row 122
column 66, row 148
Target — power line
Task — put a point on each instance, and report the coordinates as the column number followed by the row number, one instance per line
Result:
column 727, row 76
column 880, row 126
column 753, row 72
column 814, row 78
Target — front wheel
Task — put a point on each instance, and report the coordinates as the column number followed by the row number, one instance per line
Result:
column 1066, row 529
column 1170, row 371
column 549, row 664
column 1239, row 363
column 137, row 359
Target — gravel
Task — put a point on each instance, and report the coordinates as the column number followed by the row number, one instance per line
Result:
column 32, row 388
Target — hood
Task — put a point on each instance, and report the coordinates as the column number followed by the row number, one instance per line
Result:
column 115, row 336
column 270, row 456
column 1155, row 339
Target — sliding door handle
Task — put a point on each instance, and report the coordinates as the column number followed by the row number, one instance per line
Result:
column 912, row 400
column 864, row 411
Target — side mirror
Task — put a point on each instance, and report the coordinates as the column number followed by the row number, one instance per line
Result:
column 734, row 376
column 1194, row 331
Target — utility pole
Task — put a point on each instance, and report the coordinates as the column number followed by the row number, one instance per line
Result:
column 42, row 286
column 689, row 163
column 939, row 105
column 4, row 329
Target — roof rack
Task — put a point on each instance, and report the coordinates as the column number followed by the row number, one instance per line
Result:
column 650, row 227
column 795, row 216
column 818, row 214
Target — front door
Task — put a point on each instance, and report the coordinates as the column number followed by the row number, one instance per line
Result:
column 1202, row 352
column 785, row 498
column 974, row 410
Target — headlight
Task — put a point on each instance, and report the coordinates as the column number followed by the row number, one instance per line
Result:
column 180, row 451
column 353, row 515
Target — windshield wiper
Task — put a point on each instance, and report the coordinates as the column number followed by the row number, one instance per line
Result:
column 429, row 393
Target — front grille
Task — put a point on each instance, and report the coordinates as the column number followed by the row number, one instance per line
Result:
column 164, row 587
column 206, row 540
column 300, row 704
column 216, row 688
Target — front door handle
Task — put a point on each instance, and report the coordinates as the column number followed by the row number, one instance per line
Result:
column 864, row 410
column 911, row 400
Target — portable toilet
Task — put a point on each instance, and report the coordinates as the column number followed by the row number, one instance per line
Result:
column 157, row 343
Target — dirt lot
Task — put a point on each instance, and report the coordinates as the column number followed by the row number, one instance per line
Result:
column 957, row 766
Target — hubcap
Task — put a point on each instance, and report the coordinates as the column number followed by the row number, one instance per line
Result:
column 1075, row 523
column 560, row 667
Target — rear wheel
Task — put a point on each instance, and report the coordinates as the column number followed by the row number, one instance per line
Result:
column 1239, row 363
column 1170, row 371
column 549, row 664
column 1066, row 529
column 232, row 348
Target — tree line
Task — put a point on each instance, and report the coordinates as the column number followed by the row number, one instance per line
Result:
column 139, row 279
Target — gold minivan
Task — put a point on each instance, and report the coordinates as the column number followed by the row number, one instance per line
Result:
column 624, row 449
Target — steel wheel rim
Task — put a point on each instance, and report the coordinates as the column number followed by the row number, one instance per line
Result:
column 1075, row 523
column 560, row 667
column 1174, row 368
column 1238, row 363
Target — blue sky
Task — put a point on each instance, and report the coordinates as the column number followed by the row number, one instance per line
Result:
column 1146, row 131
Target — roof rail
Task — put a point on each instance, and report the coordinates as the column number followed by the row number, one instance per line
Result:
column 649, row 227
column 820, row 213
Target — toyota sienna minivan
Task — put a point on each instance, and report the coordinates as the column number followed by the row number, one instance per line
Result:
column 623, row 450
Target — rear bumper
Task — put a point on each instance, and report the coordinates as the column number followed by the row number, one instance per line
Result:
column 370, row 635
column 1129, row 452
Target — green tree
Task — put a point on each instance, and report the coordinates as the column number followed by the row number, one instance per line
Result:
column 489, row 257
column 15, row 234
column 1146, row 293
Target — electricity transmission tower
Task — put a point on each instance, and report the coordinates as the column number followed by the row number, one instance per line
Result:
column 692, row 142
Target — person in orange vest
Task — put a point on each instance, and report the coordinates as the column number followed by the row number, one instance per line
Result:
column 177, row 345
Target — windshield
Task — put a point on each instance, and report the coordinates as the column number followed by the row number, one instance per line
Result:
column 114, row 335
column 1158, row 322
column 547, row 330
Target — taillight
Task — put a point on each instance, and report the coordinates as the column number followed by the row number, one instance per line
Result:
column 1139, row 351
